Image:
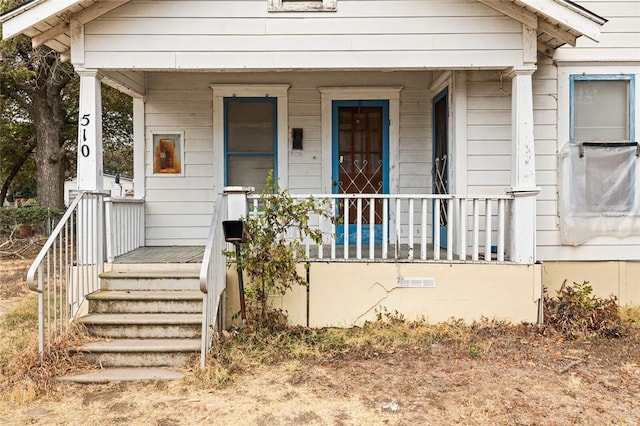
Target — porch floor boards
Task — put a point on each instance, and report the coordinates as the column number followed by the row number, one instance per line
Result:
column 170, row 254
column 193, row 254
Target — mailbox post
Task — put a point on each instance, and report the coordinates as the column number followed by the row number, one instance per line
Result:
column 236, row 233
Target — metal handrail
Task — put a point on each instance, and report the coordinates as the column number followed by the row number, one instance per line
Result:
column 67, row 268
column 50, row 241
column 212, row 276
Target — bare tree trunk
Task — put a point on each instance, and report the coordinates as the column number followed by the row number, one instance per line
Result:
column 48, row 155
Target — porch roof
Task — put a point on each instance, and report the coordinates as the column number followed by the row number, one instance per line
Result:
column 49, row 22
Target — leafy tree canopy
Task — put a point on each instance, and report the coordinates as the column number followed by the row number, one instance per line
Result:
column 39, row 100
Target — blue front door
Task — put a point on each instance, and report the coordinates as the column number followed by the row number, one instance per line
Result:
column 360, row 162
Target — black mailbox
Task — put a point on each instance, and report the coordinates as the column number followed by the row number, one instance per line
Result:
column 234, row 231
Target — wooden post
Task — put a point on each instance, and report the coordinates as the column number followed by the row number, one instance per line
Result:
column 523, row 171
column 89, row 169
column 90, row 132
column 138, row 147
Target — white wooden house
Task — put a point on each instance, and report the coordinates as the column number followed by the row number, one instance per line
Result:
column 486, row 148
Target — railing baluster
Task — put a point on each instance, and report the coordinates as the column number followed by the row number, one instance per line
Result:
column 410, row 231
column 475, row 232
column 385, row 228
column 487, row 230
column 359, row 228
column 109, row 231
column 322, row 223
column 398, row 215
column 450, row 223
column 334, row 212
column 423, row 230
column 501, row 208
column 346, row 228
column 463, row 229
column 372, row 227
column 436, row 228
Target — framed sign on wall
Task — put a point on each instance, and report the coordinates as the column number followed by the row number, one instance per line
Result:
column 168, row 153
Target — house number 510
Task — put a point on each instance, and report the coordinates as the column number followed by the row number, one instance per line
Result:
column 84, row 148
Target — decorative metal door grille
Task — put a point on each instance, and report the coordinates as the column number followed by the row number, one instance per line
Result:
column 360, row 162
column 440, row 186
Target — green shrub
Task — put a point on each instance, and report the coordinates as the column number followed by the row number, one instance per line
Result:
column 27, row 215
column 271, row 256
column 575, row 312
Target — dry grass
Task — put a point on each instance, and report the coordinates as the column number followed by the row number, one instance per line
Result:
column 25, row 374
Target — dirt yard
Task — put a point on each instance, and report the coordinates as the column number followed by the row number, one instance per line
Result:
column 516, row 377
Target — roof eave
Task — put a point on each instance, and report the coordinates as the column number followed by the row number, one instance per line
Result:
column 569, row 15
column 19, row 20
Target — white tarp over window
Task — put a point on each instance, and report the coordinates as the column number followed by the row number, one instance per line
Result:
column 598, row 191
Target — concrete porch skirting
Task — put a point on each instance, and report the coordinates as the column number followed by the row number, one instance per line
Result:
column 348, row 294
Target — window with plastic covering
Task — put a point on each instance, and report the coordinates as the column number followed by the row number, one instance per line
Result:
column 598, row 166
column 601, row 129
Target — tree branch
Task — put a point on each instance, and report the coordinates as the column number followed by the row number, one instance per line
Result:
column 24, row 156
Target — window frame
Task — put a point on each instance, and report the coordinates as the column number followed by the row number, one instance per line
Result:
column 602, row 77
column 279, row 91
column 302, row 5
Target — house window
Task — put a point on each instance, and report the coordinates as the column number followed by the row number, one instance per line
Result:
column 250, row 140
column 302, row 5
column 602, row 131
column 601, row 108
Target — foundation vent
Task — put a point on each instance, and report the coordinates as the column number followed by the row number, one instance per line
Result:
column 417, row 282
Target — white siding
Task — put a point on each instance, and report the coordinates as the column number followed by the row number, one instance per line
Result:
column 489, row 133
column 618, row 52
column 620, row 39
column 241, row 34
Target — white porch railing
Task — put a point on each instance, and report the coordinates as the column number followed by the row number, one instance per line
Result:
column 67, row 267
column 213, row 276
column 408, row 227
column 124, row 226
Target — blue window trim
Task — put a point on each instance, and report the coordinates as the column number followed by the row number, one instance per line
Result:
column 604, row 77
column 274, row 153
column 335, row 105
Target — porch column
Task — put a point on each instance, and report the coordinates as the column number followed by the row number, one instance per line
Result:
column 523, row 170
column 138, row 147
column 90, row 215
column 89, row 166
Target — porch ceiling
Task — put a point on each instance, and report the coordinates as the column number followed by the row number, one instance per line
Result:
column 49, row 22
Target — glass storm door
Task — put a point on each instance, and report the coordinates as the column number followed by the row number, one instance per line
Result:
column 360, row 163
column 250, row 131
column 440, row 169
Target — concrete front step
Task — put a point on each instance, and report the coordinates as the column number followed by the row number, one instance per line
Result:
column 141, row 352
column 150, row 280
column 152, row 313
column 125, row 374
column 143, row 325
column 145, row 301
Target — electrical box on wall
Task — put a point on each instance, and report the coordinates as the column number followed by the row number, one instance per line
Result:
column 296, row 137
